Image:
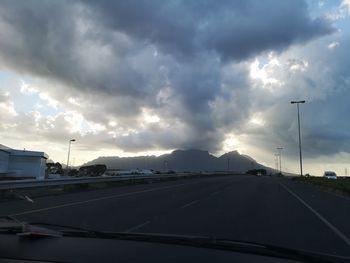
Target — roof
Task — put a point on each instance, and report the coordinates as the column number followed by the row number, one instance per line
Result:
column 14, row 152
column 28, row 153
column 4, row 148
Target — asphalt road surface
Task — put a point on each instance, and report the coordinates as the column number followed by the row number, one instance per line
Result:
column 257, row 209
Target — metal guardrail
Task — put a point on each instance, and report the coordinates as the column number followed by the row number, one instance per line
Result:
column 24, row 184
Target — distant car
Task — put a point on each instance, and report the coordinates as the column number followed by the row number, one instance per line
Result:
column 330, row 175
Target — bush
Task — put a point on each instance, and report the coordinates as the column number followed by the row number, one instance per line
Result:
column 341, row 184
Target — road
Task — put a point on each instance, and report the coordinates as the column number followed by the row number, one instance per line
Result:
column 258, row 209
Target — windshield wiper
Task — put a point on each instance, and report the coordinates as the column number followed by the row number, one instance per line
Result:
column 12, row 225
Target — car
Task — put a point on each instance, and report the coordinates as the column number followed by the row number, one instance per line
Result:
column 330, row 175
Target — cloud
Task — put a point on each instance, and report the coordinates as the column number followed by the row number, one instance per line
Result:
column 232, row 29
column 324, row 84
column 333, row 45
column 186, row 62
column 340, row 12
column 7, row 108
column 345, row 4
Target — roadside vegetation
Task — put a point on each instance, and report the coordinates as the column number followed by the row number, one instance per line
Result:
column 340, row 185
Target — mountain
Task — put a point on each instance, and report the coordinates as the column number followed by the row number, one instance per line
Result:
column 183, row 160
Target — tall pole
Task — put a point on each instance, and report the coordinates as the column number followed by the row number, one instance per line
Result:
column 300, row 154
column 70, row 141
column 280, row 157
column 276, row 161
column 299, row 133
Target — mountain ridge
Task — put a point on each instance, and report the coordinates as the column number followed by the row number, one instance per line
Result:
column 183, row 160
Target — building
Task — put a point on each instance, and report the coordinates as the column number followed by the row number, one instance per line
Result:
column 22, row 163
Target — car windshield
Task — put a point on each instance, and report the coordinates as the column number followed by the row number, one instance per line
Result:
column 204, row 118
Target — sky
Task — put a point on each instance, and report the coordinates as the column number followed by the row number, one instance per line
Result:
column 138, row 77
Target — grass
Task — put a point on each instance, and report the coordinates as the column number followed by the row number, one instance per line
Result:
column 341, row 185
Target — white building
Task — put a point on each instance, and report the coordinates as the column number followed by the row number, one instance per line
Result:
column 22, row 163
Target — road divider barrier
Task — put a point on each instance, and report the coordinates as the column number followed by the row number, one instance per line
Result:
column 32, row 183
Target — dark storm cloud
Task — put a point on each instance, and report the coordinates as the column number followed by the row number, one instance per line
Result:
column 127, row 54
column 234, row 29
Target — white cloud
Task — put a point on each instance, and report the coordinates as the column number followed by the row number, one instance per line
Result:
column 341, row 12
column 333, row 45
column 73, row 101
column 230, row 143
column 264, row 74
column 148, row 116
column 6, row 105
column 345, row 4
column 257, row 120
column 49, row 100
column 112, row 123
column 297, row 65
column 27, row 89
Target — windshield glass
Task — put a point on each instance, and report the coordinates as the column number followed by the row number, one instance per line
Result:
column 201, row 118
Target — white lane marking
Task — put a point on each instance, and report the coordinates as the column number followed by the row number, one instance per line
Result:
column 189, row 204
column 137, row 227
column 98, row 199
column 332, row 227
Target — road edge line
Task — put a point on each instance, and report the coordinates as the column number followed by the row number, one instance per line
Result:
column 324, row 220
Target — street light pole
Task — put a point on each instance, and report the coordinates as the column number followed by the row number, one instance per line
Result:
column 276, row 161
column 280, row 155
column 300, row 153
column 70, row 141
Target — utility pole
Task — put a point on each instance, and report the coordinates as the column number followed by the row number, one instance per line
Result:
column 300, row 154
column 70, row 141
column 280, row 157
column 276, row 161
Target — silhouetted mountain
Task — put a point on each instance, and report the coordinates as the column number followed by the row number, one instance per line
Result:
column 183, row 160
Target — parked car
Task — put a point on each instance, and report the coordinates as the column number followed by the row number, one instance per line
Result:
column 330, row 175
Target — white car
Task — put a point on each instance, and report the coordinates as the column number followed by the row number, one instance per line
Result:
column 330, row 175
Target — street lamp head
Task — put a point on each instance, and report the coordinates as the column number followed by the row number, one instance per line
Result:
column 300, row 101
column 72, row 140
